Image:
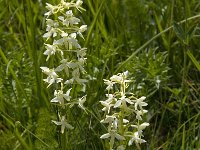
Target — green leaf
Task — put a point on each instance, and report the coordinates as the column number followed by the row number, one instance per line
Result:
column 179, row 31
column 193, row 59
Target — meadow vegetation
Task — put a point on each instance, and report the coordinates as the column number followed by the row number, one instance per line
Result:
column 156, row 41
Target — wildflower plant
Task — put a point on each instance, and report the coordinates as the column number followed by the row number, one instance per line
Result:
column 123, row 113
column 62, row 31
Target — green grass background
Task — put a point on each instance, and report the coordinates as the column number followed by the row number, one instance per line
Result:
column 155, row 40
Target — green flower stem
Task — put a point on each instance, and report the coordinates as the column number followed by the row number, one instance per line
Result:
column 121, row 127
column 138, row 146
column 64, row 140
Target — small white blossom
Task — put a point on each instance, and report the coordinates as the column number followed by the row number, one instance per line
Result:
column 68, row 41
column 64, row 124
column 76, row 77
column 108, row 119
column 111, row 98
column 107, row 106
column 81, row 101
column 139, row 102
column 139, row 113
column 70, row 20
column 158, row 81
column 73, row 41
column 52, row 76
column 136, row 138
column 83, row 28
column 52, row 9
column 65, row 22
column 111, row 120
column 116, row 78
column 112, row 134
column 69, row 13
column 66, row 65
column 51, row 50
column 73, row 21
column 78, row 4
column 125, row 74
column 140, row 127
column 59, row 96
column 122, row 101
column 66, row 5
column 51, row 25
column 109, row 84
column 125, row 121
column 81, row 53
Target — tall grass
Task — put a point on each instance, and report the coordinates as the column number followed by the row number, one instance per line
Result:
column 157, row 41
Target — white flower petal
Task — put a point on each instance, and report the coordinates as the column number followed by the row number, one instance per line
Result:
column 144, row 125
column 117, row 104
column 55, row 100
column 56, row 122
column 105, row 136
column 130, row 142
column 119, row 137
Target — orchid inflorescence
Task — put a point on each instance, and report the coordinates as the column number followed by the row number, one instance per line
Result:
column 62, row 30
column 61, row 44
column 119, row 108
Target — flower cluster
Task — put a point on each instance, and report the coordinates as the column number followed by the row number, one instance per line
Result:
column 119, row 108
column 62, row 31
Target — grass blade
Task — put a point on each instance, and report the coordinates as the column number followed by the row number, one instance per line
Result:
column 193, row 59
